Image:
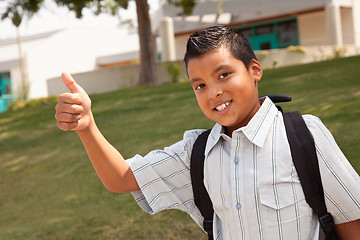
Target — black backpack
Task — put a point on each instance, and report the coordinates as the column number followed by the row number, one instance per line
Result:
column 304, row 157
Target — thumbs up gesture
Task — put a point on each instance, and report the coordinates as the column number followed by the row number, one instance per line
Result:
column 73, row 110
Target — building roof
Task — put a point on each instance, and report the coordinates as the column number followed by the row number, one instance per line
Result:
column 9, row 41
column 238, row 12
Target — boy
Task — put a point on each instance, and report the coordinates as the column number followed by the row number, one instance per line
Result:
column 248, row 169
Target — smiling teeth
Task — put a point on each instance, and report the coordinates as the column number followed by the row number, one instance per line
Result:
column 222, row 106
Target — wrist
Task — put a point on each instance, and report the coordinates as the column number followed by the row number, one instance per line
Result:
column 88, row 129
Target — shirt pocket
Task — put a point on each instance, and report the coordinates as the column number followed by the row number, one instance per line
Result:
column 283, row 202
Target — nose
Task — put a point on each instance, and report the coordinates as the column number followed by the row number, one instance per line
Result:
column 214, row 93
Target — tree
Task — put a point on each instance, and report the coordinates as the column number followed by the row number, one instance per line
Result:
column 147, row 44
column 147, row 75
column 15, row 13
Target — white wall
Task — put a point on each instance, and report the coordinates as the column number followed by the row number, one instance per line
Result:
column 16, row 84
column 65, row 51
column 312, row 29
column 110, row 79
column 9, row 48
column 347, row 26
column 9, row 57
column 356, row 21
column 73, row 50
column 180, row 46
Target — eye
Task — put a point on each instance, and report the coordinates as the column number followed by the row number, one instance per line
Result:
column 200, row 86
column 224, row 75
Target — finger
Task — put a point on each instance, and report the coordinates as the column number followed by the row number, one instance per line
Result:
column 70, row 83
column 67, row 126
column 71, row 98
column 68, row 108
column 67, row 117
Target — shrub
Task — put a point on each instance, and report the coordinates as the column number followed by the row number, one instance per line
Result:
column 174, row 72
column 30, row 103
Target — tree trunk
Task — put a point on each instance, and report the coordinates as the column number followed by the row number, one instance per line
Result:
column 147, row 75
column 24, row 84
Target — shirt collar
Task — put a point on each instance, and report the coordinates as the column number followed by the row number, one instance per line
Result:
column 256, row 130
column 214, row 137
column 258, row 127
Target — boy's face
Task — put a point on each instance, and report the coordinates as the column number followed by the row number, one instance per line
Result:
column 225, row 90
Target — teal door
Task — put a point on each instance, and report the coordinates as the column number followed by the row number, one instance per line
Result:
column 5, row 91
column 268, row 41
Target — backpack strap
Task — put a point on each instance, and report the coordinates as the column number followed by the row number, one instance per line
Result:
column 305, row 160
column 304, row 156
column 201, row 196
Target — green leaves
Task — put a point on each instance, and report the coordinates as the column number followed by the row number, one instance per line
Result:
column 15, row 10
column 187, row 5
column 16, row 19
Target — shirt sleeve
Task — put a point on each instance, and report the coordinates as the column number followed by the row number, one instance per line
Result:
column 164, row 178
column 340, row 181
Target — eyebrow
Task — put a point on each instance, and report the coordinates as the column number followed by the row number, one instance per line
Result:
column 220, row 68
column 193, row 80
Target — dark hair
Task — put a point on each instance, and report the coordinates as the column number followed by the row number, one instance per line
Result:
column 215, row 37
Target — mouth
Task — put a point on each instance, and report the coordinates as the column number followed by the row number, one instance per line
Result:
column 222, row 107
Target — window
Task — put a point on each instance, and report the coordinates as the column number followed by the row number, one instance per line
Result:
column 5, row 75
column 272, row 35
column 287, row 32
column 247, row 32
column 264, row 29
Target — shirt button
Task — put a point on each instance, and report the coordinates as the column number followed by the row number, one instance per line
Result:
column 238, row 206
column 236, row 161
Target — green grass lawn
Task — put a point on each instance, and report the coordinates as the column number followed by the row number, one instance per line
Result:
column 49, row 190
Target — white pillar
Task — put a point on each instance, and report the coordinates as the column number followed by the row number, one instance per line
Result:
column 166, row 31
column 333, row 24
column 356, row 21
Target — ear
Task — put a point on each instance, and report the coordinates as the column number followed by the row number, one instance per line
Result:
column 255, row 70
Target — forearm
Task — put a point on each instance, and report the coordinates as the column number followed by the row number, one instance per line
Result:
column 108, row 163
column 73, row 112
column 349, row 230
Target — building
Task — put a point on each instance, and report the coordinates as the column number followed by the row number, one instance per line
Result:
column 324, row 27
column 321, row 29
column 45, row 56
column 273, row 24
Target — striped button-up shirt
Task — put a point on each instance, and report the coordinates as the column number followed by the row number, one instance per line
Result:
column 251, row 180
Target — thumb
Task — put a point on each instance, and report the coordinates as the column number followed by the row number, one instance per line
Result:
column 70, row 83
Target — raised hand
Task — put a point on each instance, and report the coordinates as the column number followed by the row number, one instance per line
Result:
column 73, row 110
